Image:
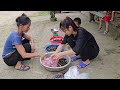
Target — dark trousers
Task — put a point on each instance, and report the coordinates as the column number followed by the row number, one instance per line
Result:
column 15, row 57
column 89, row 52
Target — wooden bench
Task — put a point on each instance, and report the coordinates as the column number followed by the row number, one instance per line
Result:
column 100, row 14
column 95, row 13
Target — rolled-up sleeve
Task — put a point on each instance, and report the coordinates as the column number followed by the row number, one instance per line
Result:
column 65, row 39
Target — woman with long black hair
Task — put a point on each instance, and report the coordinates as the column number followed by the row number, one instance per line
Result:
column 80, row 40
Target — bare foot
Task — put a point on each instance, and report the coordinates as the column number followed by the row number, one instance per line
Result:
column 87, row 62
column 99, row 28
column 106, row 32
column 18, row 65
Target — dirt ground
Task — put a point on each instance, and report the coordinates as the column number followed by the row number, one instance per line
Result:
column 105, row 66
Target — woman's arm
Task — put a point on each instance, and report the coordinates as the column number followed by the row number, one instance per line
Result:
column 26, row 36
column 23, row 53
column 62, row 54
column 69, row 52
column 59, row 48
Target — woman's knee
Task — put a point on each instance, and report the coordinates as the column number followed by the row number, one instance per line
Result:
column 27, row 47
column 25, row 41
column 71, row 42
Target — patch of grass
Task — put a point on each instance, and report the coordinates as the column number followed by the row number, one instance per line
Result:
column 43, row 13
column 40, row 13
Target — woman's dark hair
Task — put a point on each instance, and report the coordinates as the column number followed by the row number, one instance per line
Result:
column 66, row 23
column 22, row 20
column 78, row 20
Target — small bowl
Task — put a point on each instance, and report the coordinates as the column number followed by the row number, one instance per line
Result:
column 56, row 68
column 52, row 39
column 52, row 45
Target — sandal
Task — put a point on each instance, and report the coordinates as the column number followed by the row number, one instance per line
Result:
column 82, row 65
column 58, row 76
column 99, row 29
column 74, row 58
column 23, row 68
column 106, row 32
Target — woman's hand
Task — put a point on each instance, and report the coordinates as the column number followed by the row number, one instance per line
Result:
column 43, row 56
column 53, row 54
column 56, row 56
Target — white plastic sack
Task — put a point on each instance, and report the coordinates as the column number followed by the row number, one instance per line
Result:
column 73, row 73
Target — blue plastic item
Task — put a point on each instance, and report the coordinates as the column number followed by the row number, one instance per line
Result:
column 51, row 48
